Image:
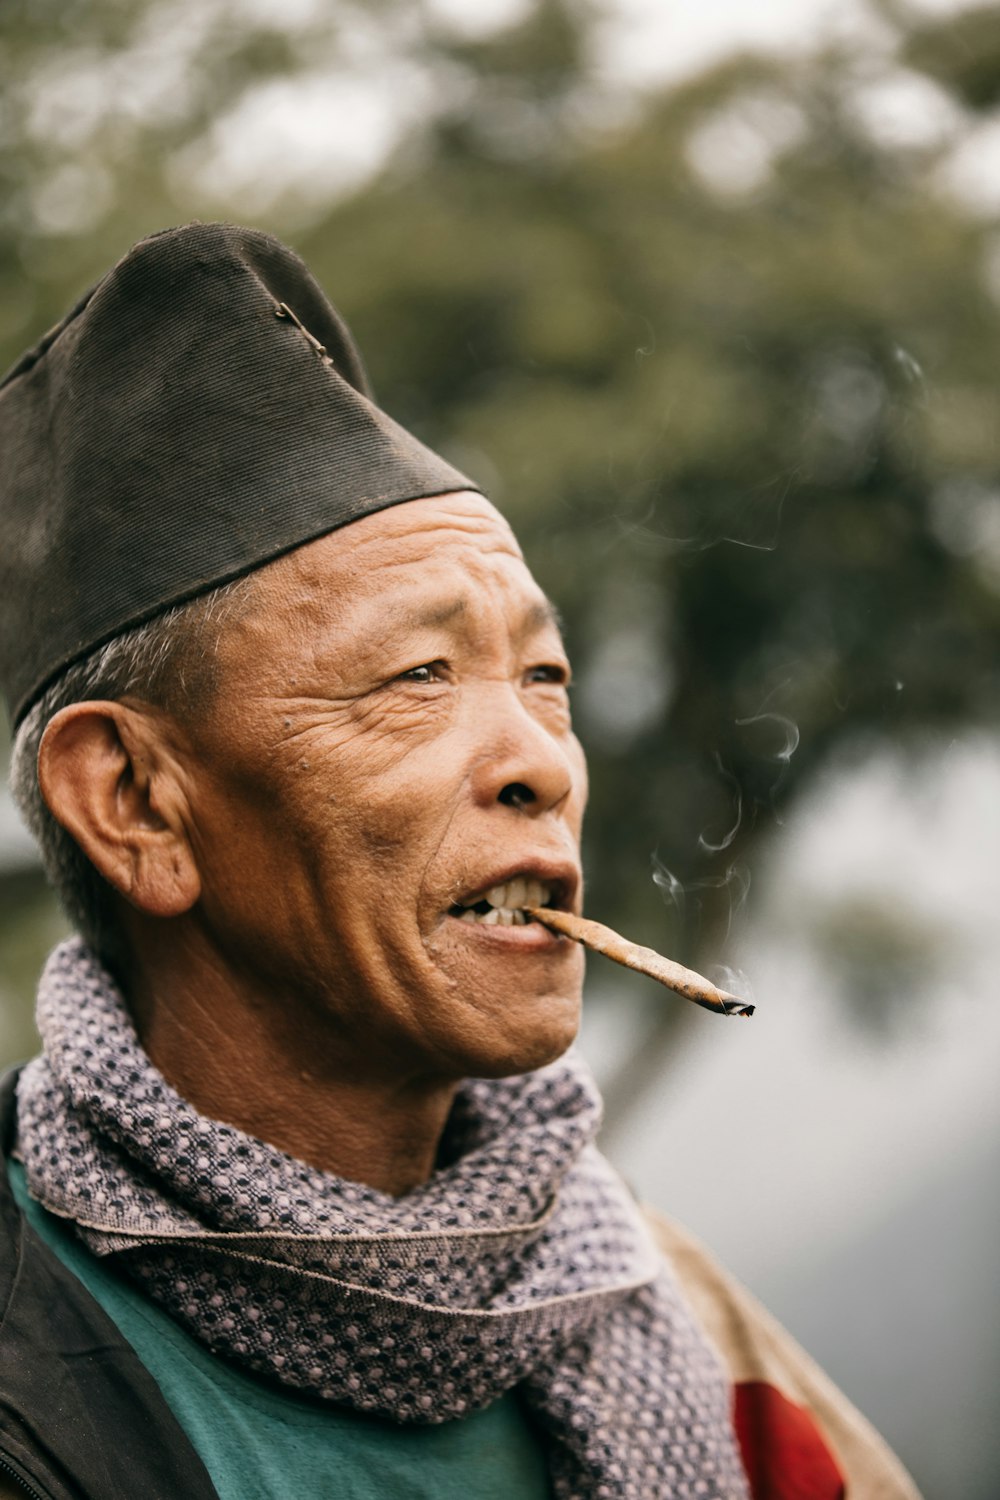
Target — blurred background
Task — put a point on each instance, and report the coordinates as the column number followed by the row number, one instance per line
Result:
column 708, row 298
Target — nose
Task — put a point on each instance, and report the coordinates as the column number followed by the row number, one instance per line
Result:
column 522, row 765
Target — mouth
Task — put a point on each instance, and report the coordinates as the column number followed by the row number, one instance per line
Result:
column 502, row 905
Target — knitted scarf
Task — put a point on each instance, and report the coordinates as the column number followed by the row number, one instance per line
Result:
column 522, row 1261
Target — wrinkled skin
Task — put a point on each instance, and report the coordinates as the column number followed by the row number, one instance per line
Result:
column 369, row 729
column 390, row 733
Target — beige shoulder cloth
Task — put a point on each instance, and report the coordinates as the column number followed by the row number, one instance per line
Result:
column 757, row 1351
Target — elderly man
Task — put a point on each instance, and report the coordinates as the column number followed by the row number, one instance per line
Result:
column 299, row 1200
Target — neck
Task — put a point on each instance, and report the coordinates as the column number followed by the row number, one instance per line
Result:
column 275, row 1070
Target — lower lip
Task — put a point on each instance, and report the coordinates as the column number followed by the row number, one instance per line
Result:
column 532, row 937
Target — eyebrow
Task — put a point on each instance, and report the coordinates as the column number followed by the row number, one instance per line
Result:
column 536, row 617
column 543, row 613
column 441, row 614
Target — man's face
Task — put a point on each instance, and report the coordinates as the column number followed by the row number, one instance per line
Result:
column 390, row 741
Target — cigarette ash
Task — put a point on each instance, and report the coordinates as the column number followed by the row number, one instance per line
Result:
column 732, row 981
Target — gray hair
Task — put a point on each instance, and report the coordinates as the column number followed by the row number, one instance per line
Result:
column 170, row 661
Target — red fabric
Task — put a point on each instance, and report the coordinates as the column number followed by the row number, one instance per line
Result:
column 784, row 1453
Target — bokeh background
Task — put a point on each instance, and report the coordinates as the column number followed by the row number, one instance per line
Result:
column 708, row 298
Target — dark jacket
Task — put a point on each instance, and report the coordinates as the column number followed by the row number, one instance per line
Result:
column 81, row 1418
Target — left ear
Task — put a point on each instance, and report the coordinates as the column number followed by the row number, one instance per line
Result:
column 107, row 776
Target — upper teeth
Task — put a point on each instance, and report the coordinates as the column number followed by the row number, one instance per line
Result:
column 506, row 902
column 518, row 893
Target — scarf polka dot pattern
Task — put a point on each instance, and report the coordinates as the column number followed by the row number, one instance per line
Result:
column 523, row 1261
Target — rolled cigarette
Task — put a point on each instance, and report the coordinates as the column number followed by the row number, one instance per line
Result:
column 601, row 939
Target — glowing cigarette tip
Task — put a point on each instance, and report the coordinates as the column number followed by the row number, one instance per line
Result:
column 601, row 939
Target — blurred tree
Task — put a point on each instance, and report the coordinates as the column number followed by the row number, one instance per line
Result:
column 725, row 355
column 962, row 52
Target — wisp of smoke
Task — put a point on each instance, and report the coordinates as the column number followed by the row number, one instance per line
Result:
column 788, row 727
column 733, row 981
column 758, row 530
column 707, row 845
column 644, row 351
column 736, row 880
column 910, row 366
column 738, row 875
column 727, row 838
column 673, row 890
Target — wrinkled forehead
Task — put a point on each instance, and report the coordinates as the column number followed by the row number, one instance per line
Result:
column 430, row 562
column 460, row 525
column 424, row 547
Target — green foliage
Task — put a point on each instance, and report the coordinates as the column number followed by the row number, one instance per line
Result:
column 29, row 927
column 963, row 53
column 745, row 428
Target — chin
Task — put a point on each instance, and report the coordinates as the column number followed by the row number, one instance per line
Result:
column 534, row 1047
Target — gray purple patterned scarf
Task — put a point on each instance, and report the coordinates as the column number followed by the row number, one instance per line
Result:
column 522, row 1261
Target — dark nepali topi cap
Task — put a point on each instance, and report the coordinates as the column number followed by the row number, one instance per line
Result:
column 200, row 411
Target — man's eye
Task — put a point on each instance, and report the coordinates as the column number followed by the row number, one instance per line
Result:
column 429, row 672
column 549, row 673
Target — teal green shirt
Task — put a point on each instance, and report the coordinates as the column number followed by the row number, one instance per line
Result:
column 259, row 1443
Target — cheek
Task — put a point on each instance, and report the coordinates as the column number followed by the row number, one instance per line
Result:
column 358, row 810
